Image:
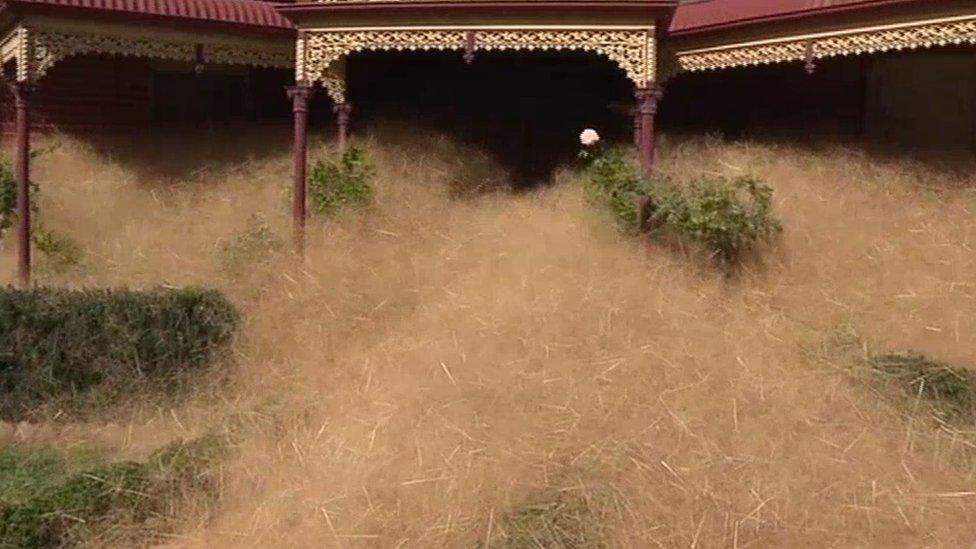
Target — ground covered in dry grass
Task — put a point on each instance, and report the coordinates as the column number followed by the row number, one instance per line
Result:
column 506, row 370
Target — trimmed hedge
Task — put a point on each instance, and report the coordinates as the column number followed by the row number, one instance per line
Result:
column 81, row 349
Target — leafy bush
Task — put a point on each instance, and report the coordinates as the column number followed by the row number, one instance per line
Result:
column 81, row 349
column 337, row 183
column 8, row 197
column 52, row 500
column 613, row 180
column 728, row 217
column 253, row 245
column 951, row 390
column 61, row 252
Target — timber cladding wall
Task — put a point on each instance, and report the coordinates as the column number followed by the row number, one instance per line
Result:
column 924, row 99
column 89, row 93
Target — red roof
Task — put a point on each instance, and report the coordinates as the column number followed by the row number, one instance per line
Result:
column 714, row 14
column 250, row 13
column 691, row 17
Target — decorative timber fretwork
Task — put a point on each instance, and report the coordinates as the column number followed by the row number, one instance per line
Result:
column 252, row 56
column 36, row 51
column 320, row 52
column 907, row 36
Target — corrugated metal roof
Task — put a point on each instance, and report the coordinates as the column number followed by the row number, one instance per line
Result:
column 708, row 14
column 254, row 13
column 691, row 16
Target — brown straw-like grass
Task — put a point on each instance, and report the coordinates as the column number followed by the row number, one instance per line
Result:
column 440, row 366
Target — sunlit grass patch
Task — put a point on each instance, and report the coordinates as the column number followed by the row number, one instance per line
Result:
column 55, row 499
column 59, row 253
column 249, row 248
column 949, row 389
column 436, row 354
column 561, row 520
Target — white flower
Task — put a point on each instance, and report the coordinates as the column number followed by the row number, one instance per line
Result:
column 589, row 137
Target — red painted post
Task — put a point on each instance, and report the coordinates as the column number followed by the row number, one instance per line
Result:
column 637, row 128
column 22, row 91
column 343, row 114
column 647, row 99
column 300, row 95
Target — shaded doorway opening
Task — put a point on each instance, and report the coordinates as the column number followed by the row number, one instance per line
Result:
column 524, row 109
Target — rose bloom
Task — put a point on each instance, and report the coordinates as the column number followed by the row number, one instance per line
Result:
column 589, row 137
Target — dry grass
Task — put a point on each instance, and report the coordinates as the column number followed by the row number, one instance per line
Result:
column 438, row 366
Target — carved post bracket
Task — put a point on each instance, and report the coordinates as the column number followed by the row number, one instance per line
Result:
column 470, row 45
column 343, row 113
column 810, row 65
column 300, row 94
column 21, row 91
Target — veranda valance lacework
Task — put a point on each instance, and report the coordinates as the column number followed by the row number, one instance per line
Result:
column 320, row 52
column 36, row 50
column 924, row 34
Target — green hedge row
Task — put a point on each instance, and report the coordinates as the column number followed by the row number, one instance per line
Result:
column 78, row 349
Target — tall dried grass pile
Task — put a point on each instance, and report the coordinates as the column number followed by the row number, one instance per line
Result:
column 446, row 371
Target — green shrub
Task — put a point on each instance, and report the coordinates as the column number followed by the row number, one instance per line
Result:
column 340, row 182
column 253, row 245
column 8, row 197
column 728, row 217
column 82, row 349
column 951, row 390
column 48, row 499
column 60, row 252
column 613, row 180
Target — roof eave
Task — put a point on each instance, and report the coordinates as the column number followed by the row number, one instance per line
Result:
column 372, row 8
column 805, row 14
column 21, row 9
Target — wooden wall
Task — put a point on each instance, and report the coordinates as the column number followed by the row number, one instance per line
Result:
column 920, row 99
column 924, row 99
column 88, row 94
column 85, row 93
